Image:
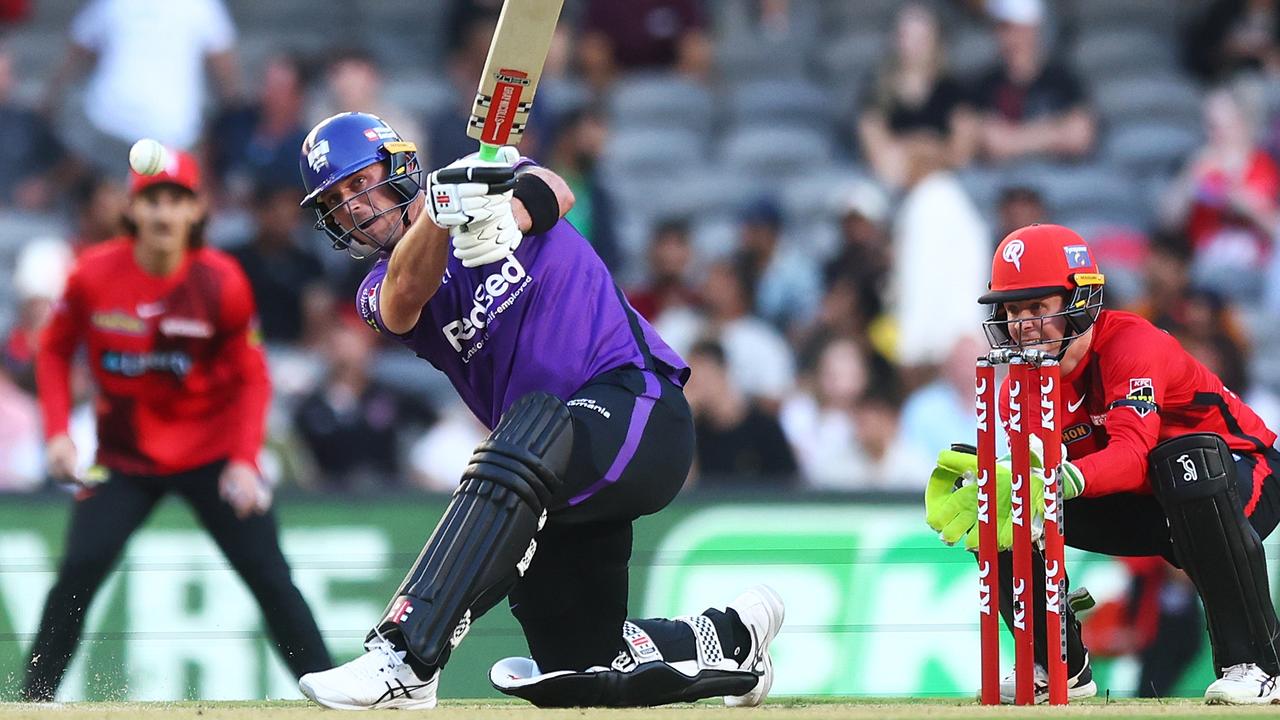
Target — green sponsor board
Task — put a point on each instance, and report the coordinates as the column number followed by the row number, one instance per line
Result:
column 875, row 605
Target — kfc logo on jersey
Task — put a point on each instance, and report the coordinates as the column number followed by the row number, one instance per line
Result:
column 1013, row 253
column 1141, row 396
column 318, row 156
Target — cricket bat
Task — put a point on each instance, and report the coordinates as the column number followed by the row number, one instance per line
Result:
column 511, row 73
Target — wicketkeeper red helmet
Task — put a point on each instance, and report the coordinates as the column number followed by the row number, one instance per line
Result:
column 1038, row 261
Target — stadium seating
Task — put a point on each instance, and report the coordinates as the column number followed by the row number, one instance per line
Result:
column 660, row 101
column 777, row 153
column 781, row 102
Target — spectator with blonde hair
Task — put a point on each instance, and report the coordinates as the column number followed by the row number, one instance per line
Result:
column 913, row 105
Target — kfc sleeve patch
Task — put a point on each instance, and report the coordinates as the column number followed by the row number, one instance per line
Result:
column 1141, row 397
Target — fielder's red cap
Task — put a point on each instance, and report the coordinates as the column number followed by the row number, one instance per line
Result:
column 1040, row 260
column 181, row 169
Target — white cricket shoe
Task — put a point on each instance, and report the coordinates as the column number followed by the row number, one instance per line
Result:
column 1078, row 687
column 760, row 609
column 378, row 679
column 1244, row 684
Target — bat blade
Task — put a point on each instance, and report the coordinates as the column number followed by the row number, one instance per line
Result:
column 511, row 72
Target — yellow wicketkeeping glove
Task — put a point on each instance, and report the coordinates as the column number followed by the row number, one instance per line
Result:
column 951, row 497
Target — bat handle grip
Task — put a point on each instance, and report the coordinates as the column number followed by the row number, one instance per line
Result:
column 489, row 153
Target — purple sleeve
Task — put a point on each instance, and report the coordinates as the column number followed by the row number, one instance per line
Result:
column 367, row 298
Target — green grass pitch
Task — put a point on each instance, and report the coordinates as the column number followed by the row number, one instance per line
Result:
column 780, row 709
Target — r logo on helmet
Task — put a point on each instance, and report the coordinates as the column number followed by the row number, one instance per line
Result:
column 1013, row 253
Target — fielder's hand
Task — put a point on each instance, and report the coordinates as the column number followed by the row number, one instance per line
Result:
column 60, row 459
column 242, row 489
column 472, row 199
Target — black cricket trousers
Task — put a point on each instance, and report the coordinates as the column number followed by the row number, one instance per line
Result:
column 632, row 449
column 102, row 519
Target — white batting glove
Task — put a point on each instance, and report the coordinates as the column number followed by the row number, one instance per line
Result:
column 484, row 241
column 480, row 221
column 448, row 206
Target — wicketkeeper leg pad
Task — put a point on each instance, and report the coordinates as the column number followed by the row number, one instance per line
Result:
column 1194, row 479
column 486, row 537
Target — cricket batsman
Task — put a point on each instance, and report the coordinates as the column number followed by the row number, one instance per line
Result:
column 590, row 430
column 1159, row 459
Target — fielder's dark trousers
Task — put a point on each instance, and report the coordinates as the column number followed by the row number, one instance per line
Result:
column 1180, row 634
column 1130, row 525
column 103, row 518
column 632, row 449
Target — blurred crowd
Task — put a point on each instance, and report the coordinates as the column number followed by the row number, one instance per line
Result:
column 802, row 195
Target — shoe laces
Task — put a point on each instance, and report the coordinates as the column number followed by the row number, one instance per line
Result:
column 382, row 656
column 1242, row 672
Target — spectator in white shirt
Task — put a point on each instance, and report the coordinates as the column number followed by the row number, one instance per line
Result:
column 148, row 61
column 942, row 249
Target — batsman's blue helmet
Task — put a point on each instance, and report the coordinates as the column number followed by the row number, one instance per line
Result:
column 342, row 145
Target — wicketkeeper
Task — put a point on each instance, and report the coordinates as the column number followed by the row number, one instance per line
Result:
column 1159, row 459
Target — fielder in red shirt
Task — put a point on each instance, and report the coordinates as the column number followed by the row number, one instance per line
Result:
column 1160, row 458
column 182, row 395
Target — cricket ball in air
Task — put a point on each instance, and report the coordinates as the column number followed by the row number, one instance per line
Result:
column 147, row 157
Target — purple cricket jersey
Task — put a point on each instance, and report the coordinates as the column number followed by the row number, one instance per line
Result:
column 549, row 317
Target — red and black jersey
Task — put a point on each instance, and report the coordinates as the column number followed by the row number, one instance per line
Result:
column 1136, row 387
column 181, row 381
